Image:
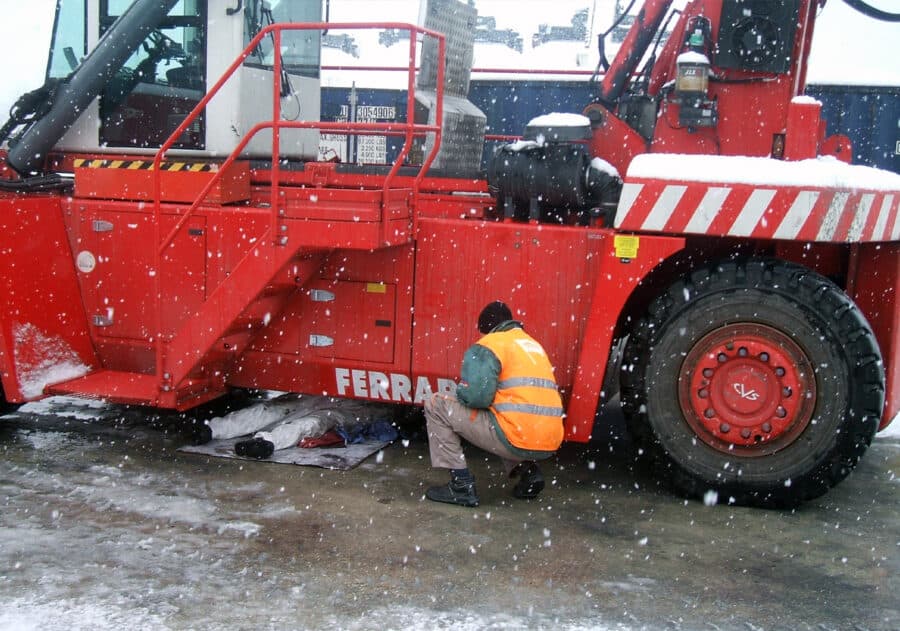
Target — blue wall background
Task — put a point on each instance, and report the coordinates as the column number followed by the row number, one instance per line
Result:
column 870, row 116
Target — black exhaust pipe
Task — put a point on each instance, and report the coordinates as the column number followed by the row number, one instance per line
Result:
column 29, row 151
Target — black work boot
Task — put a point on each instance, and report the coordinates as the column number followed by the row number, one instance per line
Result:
column 531, row 481
column 258, row 448
column 201, row 433
column 458, row 491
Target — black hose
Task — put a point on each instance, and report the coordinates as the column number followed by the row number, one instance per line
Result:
column 30, row 107
column 870, row 11
column 601, row 41
column 37, row 184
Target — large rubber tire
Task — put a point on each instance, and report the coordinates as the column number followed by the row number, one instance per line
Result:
column 756, row 382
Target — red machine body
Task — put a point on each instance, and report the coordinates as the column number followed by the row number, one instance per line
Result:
column 164, row 281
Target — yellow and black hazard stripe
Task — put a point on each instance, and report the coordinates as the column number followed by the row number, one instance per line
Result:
column 146, row 165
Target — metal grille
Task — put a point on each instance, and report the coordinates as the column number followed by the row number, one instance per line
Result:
column 456, row 20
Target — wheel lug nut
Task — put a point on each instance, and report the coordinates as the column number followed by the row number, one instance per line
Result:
column 780, row 412
column 767, row 427
column 745, row 433
column 703, row 394
column 722, row 357
column 709, row 413
column 786, row 391
column 724, row 428
column 742, row 351
column 780, row 371
column 764, row 357
column 708, row 372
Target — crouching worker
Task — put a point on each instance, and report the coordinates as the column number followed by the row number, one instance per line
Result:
column 506, row 403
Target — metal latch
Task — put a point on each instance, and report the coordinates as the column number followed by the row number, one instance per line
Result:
column 321, row 295
column 102, row 320
column 100, row 225
column 321, row 340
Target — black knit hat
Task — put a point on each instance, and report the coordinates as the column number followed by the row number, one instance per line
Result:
column 492, row 315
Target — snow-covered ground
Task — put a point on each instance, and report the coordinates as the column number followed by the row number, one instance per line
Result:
column 88, row 410
column 105, row 526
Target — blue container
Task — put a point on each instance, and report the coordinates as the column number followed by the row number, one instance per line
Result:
column 372, row 105
column 870, row 116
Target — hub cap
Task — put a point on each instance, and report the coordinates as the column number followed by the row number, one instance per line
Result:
column 747, row 389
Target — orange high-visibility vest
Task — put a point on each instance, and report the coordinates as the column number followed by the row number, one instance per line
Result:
column 527, row 404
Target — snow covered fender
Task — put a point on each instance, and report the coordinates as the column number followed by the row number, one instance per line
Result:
column 44, row 340
column 821, row 199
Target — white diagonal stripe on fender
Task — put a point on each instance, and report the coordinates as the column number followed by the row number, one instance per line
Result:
column 751, row 213
column 895, row 233
column 832, row 217
column 797, row 215
column 861, row 216
column 662, row 209
column 629, row 195
column 707, row 210
column 883, row 214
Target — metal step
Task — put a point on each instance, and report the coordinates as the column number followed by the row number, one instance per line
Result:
column 131, row 388
column 110, row 385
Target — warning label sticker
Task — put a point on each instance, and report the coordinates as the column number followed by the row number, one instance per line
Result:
column 626, row 246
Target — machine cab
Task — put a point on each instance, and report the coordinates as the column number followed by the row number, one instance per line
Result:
column 181, row 58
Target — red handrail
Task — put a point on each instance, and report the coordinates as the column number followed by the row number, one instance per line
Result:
column 409, row 129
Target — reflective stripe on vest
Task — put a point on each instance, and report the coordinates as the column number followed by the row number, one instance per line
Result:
column 526, row 381
column 527, row 408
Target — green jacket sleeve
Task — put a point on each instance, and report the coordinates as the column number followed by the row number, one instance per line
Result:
column 480, row 371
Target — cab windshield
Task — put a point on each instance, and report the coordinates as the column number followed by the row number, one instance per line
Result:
column 156, row 88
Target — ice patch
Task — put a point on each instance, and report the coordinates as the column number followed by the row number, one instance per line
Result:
column 107, row 488
column 635, row 585
column 29, row 614
column 414, row 619
column 41, row 360
column 66, row 407
column 246, row 528
column 49, row 441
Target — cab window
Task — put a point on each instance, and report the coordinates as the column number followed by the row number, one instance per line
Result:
column 299, row 48
column 161, row 82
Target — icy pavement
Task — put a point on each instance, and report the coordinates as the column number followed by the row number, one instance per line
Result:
column 104, row 525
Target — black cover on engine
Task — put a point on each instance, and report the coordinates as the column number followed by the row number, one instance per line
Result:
column 549, row 182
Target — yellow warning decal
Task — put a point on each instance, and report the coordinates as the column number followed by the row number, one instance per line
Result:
column 626, row 246
column 376, row 288
column 145, row 165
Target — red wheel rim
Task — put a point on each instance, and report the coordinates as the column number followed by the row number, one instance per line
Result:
column 747, row 389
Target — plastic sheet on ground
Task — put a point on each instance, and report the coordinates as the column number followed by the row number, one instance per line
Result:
column 342, row 458
column 365, row 427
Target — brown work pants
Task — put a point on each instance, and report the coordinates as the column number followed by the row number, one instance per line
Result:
column 448, row 421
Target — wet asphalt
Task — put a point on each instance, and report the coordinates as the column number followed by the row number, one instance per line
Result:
column 104, row 524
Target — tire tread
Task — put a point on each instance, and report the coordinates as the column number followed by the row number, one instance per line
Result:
column 813, row 295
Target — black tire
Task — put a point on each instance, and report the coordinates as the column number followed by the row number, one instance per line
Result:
column 759, row 381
